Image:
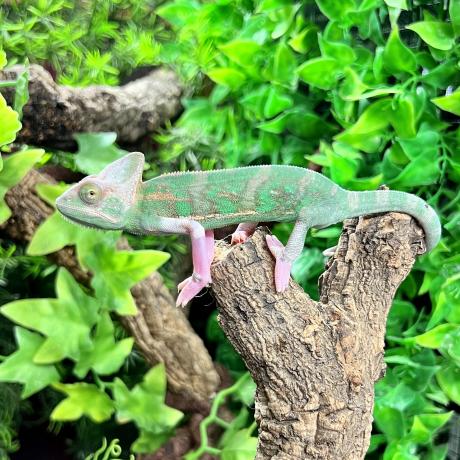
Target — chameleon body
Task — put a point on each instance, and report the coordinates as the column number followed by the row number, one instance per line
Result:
column 195, row 203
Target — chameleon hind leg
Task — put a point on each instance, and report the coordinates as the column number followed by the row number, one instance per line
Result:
column 285, row 256
column 243, row 232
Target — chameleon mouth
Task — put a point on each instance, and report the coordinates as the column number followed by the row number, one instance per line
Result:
column 66, row 209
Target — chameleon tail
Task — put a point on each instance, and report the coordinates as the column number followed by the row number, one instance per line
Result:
column 390, row 200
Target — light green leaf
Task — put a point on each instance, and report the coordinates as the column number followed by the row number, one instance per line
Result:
column 82, row 399
column 21, row 95
column 64, row 233
column 450, row 103
column 435, row 337
column 66, row 321
column 454, row 13
column 104, row 355
column 115, row 272
column 20, row 367
column 96, row 151
column 149, row 442
column 243, row 52
column 437, row 34
column 336, row 10
column 341, row 52
column 15, row 167
column 403, row 117
column 227, row 76
column 9, row 121
column 400, row 4
column 397, row 57
column 321, row 72
column 276, row 102
column 284, row 65
column 144, row 405
column 449, row 380
column 240, row 446
column 275, row 126
column 2, row 59
column 425, row 426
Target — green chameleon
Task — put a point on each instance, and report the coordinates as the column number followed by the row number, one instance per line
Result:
column 195, row 203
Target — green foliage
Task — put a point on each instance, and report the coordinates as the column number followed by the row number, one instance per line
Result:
column 88, row 42
column 113, row 450
column 144, row 405
column 236, row 443
column 365, row 90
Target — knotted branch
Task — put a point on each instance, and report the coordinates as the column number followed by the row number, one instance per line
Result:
column 315, row 363
column 55, row 112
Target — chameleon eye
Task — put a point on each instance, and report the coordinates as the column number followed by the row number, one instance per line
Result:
column 90, row 193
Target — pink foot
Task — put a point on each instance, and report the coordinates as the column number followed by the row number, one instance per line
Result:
column 282, row 267
column 189, row 288
column 239, row 237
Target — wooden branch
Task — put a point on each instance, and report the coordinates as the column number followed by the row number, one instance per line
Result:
column 161, row 331
column 54, row 112
column 315, row 363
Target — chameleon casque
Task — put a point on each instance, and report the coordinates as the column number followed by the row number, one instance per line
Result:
column 195, row 203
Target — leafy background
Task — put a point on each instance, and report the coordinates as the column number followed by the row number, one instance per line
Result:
column 365, row 91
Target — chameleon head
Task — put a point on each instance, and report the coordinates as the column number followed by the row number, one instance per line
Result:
column 106, row 199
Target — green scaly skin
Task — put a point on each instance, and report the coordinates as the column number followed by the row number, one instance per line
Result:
column 195, row 203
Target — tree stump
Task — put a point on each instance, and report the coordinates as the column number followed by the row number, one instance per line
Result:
column 315, row 363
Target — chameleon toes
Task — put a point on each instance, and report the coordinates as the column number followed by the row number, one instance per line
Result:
column 239, row 237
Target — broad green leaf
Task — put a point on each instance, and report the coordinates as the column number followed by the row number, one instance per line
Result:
column 243, row 52
column 144, row 405
column 305, row 40
column 425, row 426
column 401, row 4
column 96, row 151
column 334, row 9
column 397, row 57
column 277, row 101
column 64, row 233
column 284, row 65
column 15, row 167
column 450, row 103
column 454, row 13
column 439, row 35
column 178, row 13
column 240, row 446
column 2, row 59
column 390, row 421
column 449, row 381
column 105, row 355
column 21, row 95
column 275, row 126
column 20, row 366
column 82, row 399
column 115, row 272
column 66, row 322
column 10, row 123
column 442, row 75
column 435, row 337
column 149, row 442
column 341, row 52
column 320, row 72
column 403, row 117
column 227, row 76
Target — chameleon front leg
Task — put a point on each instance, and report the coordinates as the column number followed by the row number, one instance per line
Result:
column 209, row 238
column 243, row 232
column 285, row 256
column 202, row 252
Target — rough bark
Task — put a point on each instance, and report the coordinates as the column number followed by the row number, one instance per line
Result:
column 161, row 330
column 55, row 112
column 315, row 363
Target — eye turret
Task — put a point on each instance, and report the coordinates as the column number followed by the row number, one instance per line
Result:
column 90, row 193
